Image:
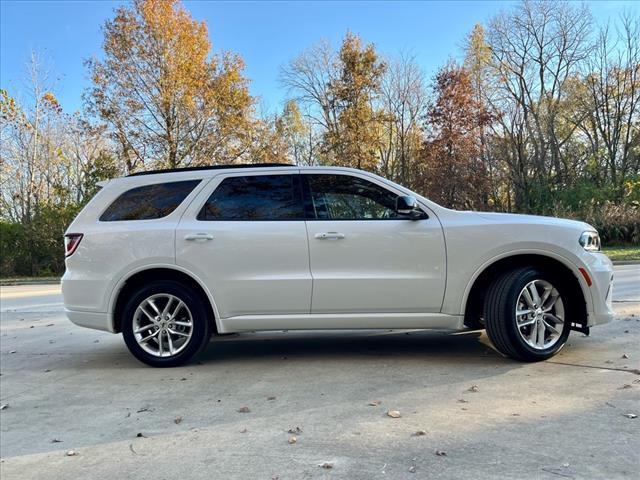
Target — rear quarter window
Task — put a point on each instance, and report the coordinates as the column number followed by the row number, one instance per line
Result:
column 149, row 201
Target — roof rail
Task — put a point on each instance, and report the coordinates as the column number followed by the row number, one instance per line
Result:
column 210, row 167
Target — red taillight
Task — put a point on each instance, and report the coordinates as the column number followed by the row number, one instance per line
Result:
column 71, row 242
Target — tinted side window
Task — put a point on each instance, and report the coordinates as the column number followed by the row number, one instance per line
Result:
column 342, row 197
column 255, row 198
column 149, row 201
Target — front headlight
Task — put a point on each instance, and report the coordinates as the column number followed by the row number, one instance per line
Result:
column 590, row 241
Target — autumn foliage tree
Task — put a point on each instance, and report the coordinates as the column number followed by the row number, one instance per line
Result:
column 167, row 99
column 340, row 89
column 454, row 174
column 355, row 142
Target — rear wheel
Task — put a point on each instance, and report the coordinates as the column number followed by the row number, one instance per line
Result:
column 527, row 314
column 165, row 324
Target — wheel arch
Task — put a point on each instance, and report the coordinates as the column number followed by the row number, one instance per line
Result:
column 475, row 292
column 158, row 272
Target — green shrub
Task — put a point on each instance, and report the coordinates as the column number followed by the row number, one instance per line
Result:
column 616, row 223
column 14, row 258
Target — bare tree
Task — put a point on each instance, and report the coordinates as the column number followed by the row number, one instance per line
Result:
column 536, row 48
column 608, row 110
column 404, row 104
column 308, row 79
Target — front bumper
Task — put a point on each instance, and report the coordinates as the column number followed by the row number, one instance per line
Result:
column 600, row 269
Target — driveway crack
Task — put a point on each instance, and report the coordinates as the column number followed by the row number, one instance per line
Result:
column 626, row 370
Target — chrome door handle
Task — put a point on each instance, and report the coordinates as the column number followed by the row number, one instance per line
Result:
column 198, row 236
column 326, row 235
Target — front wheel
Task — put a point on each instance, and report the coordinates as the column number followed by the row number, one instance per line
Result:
column 527, row 314
column 165, row 324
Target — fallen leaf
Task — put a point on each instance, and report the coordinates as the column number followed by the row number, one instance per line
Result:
column 393, row 413
column 271, row 398
column 295, row 430
column 47, row 370
column 243, row 410
column 419, row 433
column 12, row 351
column 326, row 465
column 462, row 400
column 375, row 403
column 441, row 453
column 4, row 406
column 624, row 355
column 631, row 415
column 412, row 469
column 292, row 440
column 177, row 420
column 71, row 453
column 473, row 388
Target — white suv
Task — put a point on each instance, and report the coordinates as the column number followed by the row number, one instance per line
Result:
column 170, row 258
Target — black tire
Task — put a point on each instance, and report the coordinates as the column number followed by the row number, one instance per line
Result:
column 201, row 329
column 500, row 314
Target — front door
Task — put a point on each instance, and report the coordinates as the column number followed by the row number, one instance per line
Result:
column 364, row 257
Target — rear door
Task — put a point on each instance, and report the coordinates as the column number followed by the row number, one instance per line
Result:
column 245, row 236
column 364, row 257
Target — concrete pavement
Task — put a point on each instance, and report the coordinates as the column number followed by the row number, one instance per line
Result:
column 626, row 283
column 69, row 388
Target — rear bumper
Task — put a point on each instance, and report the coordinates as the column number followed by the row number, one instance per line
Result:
column 95, row 320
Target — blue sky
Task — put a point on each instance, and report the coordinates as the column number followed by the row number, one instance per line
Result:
column 266, row 34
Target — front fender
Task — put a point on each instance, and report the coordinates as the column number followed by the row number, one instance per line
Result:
column 460, row 284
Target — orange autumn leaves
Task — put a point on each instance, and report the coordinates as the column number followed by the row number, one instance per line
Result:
column 168, row 100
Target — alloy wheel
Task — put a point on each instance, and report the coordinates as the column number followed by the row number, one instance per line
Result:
column 540, row 314
column 162, row 325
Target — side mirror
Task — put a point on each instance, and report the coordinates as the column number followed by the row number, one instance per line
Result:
column 407, row 205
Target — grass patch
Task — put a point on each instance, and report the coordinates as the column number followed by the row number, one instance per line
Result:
column 622, row 252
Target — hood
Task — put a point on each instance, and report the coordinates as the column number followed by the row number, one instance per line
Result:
column 513, row 218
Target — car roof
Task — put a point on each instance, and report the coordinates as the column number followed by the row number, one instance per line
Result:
column 211, row 167
column 213, row 170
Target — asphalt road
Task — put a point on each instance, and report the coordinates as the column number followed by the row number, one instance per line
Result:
column 69, row 388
